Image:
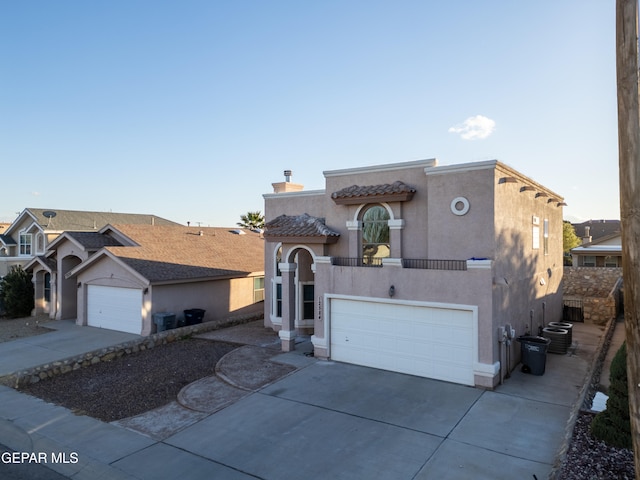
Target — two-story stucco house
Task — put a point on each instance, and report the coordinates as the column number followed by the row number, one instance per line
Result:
column 414, row 267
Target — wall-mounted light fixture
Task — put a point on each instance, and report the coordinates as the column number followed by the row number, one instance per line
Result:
column 145, row 291
column 79, row 284
column 392, row 291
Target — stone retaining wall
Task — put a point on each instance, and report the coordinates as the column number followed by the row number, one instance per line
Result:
column 60, row 367
column 598, row 288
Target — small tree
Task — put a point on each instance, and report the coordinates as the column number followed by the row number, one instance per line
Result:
column 613, row 425
column 252, row 220
column 16, row 293
column 569, row 240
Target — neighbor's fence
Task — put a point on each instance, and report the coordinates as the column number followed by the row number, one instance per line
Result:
column 573, row 310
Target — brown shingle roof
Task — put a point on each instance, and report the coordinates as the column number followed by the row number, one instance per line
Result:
column 396, row 191
column 181, row 253
column 94, row 240
column 300, row 227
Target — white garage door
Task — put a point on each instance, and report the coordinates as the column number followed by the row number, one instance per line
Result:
column 433, row 342
column 115, row 308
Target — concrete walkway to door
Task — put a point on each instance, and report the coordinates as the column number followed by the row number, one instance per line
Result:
column 65, row 340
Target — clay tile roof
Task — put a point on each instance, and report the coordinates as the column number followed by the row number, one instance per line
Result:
column 300, row 227
column 396, row 191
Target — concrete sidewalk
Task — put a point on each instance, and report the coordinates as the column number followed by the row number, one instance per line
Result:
column 331, row 420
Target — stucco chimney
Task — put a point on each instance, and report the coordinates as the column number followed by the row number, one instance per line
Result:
column 587, row 235
column 286, row 186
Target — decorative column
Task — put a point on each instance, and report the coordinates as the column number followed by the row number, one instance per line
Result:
column 38, row 293
column 287, row 333
column 395, row 237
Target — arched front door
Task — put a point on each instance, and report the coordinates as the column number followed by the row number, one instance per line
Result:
column 298, row 296
column 68, row 290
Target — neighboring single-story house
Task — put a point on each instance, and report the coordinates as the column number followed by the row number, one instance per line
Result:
column 30, row 234
column 414, row 267
column 601, row 244
column 121, row 275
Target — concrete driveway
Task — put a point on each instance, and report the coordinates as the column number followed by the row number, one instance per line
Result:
column 65, row 340
column 329, row 420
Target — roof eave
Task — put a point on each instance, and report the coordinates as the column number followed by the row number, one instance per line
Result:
column 316, row 239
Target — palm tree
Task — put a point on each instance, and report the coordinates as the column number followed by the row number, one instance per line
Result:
column 252, row 221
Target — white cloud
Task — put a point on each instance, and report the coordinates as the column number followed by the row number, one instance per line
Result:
column 474, row 128
column 35, row 194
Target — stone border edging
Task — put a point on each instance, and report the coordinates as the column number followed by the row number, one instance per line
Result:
column 585, row 397
column 59, row 367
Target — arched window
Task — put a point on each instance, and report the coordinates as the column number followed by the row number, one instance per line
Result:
column 40, row 243
column 375, row 234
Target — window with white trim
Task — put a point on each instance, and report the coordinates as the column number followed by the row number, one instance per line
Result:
column 611, row 261
column 258, row 289
column 39, row 243
column 26, row 240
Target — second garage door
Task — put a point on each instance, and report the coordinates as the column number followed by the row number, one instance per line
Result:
column 115, row 308
column 428, row 341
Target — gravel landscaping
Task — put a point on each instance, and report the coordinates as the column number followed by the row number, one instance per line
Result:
column 135, row 383
column 591, row 459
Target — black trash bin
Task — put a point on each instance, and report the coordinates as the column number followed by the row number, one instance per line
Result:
column 193, row 316
column 534, row 353
column 164, row 321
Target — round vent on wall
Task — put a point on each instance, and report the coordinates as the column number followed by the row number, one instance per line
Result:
column 459, row 206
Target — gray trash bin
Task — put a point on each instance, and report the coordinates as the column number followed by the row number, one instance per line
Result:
column 164, row 321
column 534, row 353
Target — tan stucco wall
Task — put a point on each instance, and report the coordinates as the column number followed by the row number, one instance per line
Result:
column 219, row 298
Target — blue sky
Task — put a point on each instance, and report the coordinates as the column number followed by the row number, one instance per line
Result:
column 191, row 109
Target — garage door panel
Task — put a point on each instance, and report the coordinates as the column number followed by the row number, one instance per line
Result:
column 115, row 308
column 419, row 340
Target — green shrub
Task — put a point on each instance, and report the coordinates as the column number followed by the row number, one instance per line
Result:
column 613, row 425
column 16, row 293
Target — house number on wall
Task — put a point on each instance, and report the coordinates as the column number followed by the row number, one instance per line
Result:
column 319, row 308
